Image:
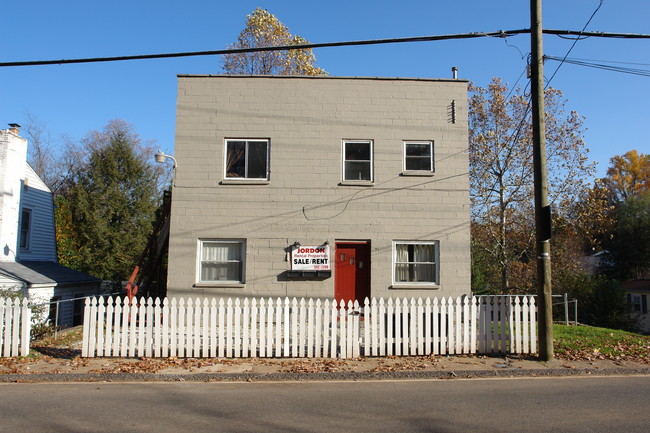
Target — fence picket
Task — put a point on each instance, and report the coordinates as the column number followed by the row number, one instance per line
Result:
column 229, row 328
column 205, row 334
column 390, row 327
column 397, row 336
column 164, row 329
column 237, row 343
column 525, row 325
column 278, row 328
column 196, row 326
column 246, row 327
column 413, row 328
column 326, row 329
column 405, row 327
column 269, row 328
column 356, row 350
column 309, row 328
column 317, row 330
column 532, row 307
column 334, row 330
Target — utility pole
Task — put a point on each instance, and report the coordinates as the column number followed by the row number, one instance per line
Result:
column 542, row 208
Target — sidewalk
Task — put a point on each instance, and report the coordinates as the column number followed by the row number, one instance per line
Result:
column 66, row 366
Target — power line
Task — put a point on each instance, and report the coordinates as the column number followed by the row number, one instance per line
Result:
column 613, row 68
column 548, row 83
column 500, row 33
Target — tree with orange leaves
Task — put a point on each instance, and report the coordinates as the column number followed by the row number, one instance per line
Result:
column 628, row 175
column 263, row 29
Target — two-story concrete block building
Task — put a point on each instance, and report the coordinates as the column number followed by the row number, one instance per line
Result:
column 320, row 187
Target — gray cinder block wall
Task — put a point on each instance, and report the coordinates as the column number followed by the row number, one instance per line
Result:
column 306, row 120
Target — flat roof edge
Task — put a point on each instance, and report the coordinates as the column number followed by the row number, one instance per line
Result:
column 281, row 77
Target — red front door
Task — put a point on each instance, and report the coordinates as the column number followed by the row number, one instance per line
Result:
column 352, row 271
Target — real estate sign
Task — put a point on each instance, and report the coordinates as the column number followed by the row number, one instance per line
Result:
column 311, row 258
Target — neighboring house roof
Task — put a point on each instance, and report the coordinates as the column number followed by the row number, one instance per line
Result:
column 636, row 286
column 45, row 273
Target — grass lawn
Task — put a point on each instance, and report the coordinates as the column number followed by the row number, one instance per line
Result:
column 590, row 343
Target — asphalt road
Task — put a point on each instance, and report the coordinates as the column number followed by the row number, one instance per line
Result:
column 574, row 404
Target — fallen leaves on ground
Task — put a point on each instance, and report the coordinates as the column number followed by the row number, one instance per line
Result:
column 314, row 366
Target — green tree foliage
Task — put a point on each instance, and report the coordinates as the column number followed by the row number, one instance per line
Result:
column 263, row 29
column 106, row 215
column 630, row 245
column 501, row 176
column 601, row 302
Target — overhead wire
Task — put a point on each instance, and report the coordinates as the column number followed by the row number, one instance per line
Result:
column 612, row 68
column 500, row 33
column 548, row 82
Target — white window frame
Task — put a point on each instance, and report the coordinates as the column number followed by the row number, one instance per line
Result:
column 28, row 234
column 637, row 302
column 247, row 141
column 417, row 284
column 431, row 162
column 200, row 261
column 371, row 161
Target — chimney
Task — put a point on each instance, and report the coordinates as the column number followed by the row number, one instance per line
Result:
column 14, row 128
column 454, row 72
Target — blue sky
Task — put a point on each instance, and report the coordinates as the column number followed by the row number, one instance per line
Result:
column 74, row 99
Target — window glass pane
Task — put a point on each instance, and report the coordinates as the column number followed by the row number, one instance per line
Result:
column 257, row 151
column 25, row 221
column 418, row 149
column 423, row 253
column 418, row 163
column 230, row 271
column 424, row 273
column 357, row 151
column 357, row 170
column 221, row 251
column 236, row 159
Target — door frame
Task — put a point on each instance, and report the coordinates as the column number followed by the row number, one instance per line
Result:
column 358, row 291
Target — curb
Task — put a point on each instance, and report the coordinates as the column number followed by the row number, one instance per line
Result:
column 306, row 377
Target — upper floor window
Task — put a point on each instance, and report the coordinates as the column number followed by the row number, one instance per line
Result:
column 357, row 160
column 418, row 156
column 247, row 159
column 25, row 229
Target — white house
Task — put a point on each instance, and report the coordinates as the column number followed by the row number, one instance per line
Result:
column 28, row 260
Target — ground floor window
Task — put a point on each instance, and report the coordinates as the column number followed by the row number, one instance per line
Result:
column 415, row 262
column 222, row 261
column 639, row 303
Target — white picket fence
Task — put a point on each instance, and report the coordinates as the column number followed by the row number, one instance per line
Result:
column 235, row 328
column 15, row 325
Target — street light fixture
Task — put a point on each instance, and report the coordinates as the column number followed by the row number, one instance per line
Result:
column 161, row 157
